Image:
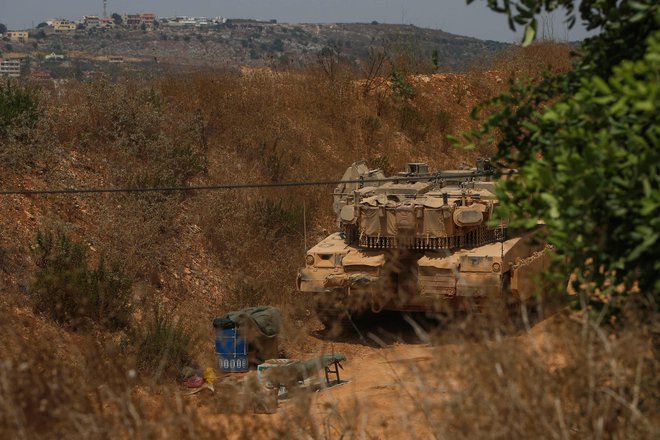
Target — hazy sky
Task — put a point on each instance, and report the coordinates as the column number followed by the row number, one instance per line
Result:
column 452, row 16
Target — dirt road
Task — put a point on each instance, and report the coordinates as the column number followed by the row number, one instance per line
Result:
column 394, row 385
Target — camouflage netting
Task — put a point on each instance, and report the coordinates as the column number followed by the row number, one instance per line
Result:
column 267, row 320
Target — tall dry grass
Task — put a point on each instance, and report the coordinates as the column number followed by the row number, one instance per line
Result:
column 203, row 254
column 562, row 378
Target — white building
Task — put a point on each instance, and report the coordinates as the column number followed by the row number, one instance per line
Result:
column 10, row 68
column 190, row 22
column 54, row 56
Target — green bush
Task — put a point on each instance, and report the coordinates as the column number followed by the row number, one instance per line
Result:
column 585, row 144
column 19, row 105
column 164, row 344
column 70, row 293
column 273, row 219
column 400, row 85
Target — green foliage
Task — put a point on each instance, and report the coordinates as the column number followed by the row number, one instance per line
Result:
column 19, row 107
column 400, row 85
column 276, row 161
column 69, row 292
column 586, row 145
column 164, row 344
column 135, row 122
column 273, row 219
column 277, row 45
column 624, row 27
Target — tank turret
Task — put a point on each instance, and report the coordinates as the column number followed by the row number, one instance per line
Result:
column 448, row 210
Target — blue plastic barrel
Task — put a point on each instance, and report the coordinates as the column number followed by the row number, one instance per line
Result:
column 231, row 348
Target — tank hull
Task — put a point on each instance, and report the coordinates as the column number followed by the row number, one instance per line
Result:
column 426, row 281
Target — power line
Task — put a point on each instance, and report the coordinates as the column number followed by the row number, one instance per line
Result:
column 366, row 180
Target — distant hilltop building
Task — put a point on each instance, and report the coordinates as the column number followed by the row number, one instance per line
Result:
column 10, row 68
column 106, row 23
column 61, row 25
column 148, row 19
column 190, row 22
column 143, row 20
column 54, row 56
column 92, row 21
column 18, row 36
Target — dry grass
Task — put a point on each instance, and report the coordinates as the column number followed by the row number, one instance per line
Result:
column 203, row 254
column 570, row 379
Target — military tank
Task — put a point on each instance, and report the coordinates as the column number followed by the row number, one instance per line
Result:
column 418, row 241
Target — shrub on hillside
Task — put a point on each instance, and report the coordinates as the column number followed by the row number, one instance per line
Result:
column 413, row 123
column 68, row 291
column 19, row 106
column 154, row 142
column 400, row 85
column 164, row 343
column 275, row 220
column 21, row 139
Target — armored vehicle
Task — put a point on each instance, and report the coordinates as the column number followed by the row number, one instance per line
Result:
column 417, row 241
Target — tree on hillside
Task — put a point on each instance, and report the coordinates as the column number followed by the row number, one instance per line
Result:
column 43, row 24
column 117, row 18
column 3, row 29
column 586, row 145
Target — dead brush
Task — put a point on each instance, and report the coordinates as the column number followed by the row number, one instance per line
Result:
column 23, row 125
column 92, row 391
column 561, row 379
column 571, row 379
column 70, row 292
column 532, row 61
column 163, row 343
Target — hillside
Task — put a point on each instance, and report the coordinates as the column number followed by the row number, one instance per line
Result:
column 255, row 44
column 160, row 266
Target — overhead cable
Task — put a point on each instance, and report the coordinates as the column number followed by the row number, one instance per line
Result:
column 229, row 186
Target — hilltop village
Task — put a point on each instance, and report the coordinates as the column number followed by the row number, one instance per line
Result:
column 64, row 49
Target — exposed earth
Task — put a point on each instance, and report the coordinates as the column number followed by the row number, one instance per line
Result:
column 394, row 381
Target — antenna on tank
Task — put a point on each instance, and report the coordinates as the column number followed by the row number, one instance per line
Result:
column 304, row 226
column 502, row 237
